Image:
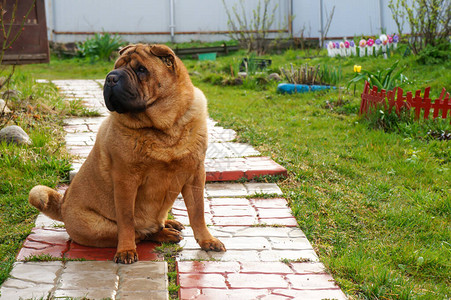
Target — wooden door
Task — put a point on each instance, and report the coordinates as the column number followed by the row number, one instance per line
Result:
column 32, row 45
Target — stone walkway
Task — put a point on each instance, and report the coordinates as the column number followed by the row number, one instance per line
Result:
column 268, row 256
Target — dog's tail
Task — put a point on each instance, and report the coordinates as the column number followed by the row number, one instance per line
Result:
column 47, row 200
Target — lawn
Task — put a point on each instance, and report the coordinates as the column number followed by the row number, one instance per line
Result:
column 375, row 203
column 40, row 111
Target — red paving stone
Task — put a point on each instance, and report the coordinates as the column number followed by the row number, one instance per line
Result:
column 56, row 243
column 252, row 280
column 231, row 169
column 53, row 242
column 77, row 251
column 56, row 251
column 202, row 280
column 145, row 252
column 218, row 294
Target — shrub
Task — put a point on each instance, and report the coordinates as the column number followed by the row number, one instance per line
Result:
column 429, row 21
column 251, row 33
column 438, row 54
column 100, row 47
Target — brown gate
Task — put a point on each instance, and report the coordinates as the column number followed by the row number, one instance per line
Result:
column 32, row 45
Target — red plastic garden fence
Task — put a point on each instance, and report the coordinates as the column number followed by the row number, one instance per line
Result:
column 372, row 98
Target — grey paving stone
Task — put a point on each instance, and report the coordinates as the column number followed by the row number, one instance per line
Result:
column 300, row 243
column 88, row 280
column 225, row 190
column 93, row 293
column 264, row 231
column 143, row 277
column 262, row 188
column 38, row 272
column 220, row 135
column 90, row 266
column 131, row 295
column 42, row 221
column 83, row 139
column 36, row 291
column 229, row 201
column 230, row 149
column 148, row 284
column 278, row 255
column 89, row 275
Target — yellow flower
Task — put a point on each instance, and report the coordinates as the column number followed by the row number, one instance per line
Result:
column 357, row 68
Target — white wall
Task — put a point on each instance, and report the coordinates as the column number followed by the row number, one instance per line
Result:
column 149, row 20
column 351, row 17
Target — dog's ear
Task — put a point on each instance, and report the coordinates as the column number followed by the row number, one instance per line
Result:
column 165, row 53
column 125, row 49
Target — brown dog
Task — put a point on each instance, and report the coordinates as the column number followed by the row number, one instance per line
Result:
column 151, row 148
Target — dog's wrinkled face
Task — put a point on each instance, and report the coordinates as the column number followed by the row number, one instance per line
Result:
column 141, row 75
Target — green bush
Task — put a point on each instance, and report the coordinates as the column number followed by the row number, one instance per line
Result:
column 100, row 47
column 432, row 55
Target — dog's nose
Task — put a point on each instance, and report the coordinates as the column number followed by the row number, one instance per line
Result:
column 111, row 80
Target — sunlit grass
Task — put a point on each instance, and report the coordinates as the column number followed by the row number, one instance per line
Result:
column 375, row 203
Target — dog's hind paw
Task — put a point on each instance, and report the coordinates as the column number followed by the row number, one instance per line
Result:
column 174, row 224
column 126, row 257
column 166, row 235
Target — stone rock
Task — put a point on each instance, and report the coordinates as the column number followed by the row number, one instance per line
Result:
column 3, row 107
column 14, row 134
column 274, row 76
column 11, row 94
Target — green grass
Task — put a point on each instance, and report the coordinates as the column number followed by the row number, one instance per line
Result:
column 75, row 68
column 169, row 252
column 375, row 203
column 365, row 204
column 39, row 110
column 48, row 257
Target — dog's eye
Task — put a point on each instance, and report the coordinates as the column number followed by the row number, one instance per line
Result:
column 141, row 70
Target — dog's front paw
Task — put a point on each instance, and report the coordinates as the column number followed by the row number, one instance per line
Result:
column 126, row 257
column 212, row 245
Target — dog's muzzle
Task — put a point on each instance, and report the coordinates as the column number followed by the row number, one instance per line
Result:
column 120, row 92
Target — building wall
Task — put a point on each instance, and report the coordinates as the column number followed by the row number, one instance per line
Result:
column 206, row 20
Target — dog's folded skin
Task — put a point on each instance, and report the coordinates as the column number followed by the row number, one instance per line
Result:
column 151, row 148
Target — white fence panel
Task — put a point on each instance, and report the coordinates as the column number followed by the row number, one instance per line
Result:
column 206, row 20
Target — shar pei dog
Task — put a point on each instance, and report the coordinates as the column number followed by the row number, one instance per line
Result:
column 150, row 149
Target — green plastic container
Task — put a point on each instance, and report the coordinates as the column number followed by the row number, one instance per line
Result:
column 207, row 56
